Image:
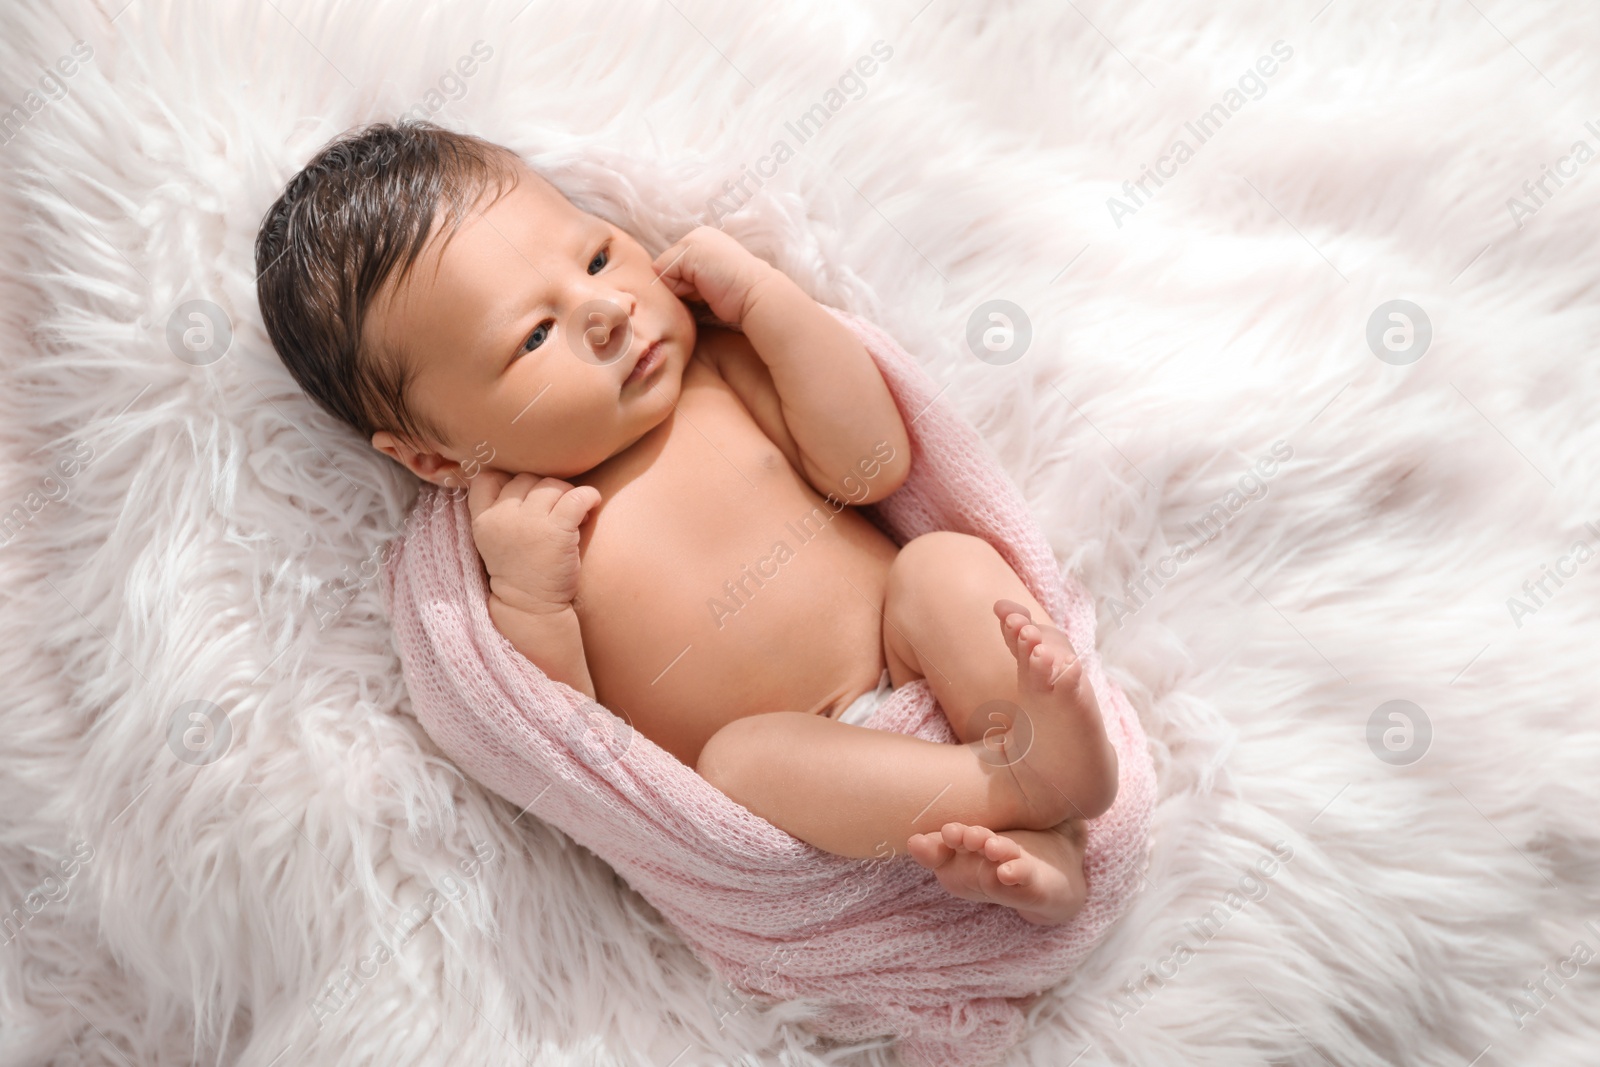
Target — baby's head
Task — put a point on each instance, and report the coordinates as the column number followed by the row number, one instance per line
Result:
column 453, row 307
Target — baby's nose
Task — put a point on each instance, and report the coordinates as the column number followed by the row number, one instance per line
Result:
column 601, row 330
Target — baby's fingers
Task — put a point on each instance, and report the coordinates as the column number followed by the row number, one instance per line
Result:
column 484, row 489
column 683, row 290
column 544, row 493
column 574, row 506
column 675, row 268
column 667, row 264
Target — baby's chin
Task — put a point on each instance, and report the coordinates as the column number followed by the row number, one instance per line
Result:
column 652, row 406
column 646, row 411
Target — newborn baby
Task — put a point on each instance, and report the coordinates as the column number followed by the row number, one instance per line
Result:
column 664, row 508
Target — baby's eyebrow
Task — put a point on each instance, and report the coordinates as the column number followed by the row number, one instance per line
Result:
column 595, row 229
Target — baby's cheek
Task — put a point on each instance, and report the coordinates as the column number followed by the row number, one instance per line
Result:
column 668, row 310
column 576, row 438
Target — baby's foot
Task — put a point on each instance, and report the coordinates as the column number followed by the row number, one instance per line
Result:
column 1039, row 873
column 1059, row 745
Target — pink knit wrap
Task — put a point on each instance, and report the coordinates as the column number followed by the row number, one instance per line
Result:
column 878, row 944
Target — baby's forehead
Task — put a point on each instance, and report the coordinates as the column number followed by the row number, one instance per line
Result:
column 537, row 204
column 514, row 211
column 527, row 202
column 529, row 182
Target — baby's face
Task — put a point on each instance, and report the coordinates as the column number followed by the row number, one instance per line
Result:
column 521, row 333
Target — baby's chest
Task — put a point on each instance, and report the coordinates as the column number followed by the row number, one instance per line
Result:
column 715, row 496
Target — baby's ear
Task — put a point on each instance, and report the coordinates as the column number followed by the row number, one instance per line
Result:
column 429, row 466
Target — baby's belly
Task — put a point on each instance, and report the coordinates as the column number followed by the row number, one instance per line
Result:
column 782, row 616
column 738, row 592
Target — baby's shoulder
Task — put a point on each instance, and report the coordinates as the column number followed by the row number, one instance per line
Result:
column 742, row 374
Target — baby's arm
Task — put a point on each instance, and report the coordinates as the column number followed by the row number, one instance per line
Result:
column 526, row 529
column 832, row 397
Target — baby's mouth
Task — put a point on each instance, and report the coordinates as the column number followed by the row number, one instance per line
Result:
column 649, row 360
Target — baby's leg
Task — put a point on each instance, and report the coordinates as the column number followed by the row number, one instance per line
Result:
column 1037, row 872
column 865, row 793
column 945, row 592
column 939, row 624
column 858, row 792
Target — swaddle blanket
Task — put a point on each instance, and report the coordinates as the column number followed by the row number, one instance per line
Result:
column 879, row 944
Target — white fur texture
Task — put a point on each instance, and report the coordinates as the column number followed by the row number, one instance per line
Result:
column 190, row 559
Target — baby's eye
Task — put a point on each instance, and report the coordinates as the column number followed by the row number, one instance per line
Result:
column 537, row 337
column 601, row 258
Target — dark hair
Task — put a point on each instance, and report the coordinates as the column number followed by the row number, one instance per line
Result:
column 360, row 212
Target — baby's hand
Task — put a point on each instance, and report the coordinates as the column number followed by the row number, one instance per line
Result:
column 709, row 266
column 526, row 529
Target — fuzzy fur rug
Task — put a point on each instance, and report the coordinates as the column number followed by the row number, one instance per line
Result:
column 224, row 841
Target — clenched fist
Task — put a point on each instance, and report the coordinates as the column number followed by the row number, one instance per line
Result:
column 526, row 529
column 709, row 266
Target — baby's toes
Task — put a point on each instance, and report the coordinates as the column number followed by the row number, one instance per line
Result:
column 1012, row 866
column 1013, row 628
column 1064, row 672
column 1040, row 667
column 1000, row 848
column 954, row 835
column 1004, row 610
column 929, row 850
column 1028, row 639
column 1013, row 617
column 976, row 837
column 1018, row 872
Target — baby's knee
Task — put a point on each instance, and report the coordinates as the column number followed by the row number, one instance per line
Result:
column 741, row 752
column 725, row 755
column 941, row 561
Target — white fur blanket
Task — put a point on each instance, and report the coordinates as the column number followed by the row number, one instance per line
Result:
column 223, row 840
